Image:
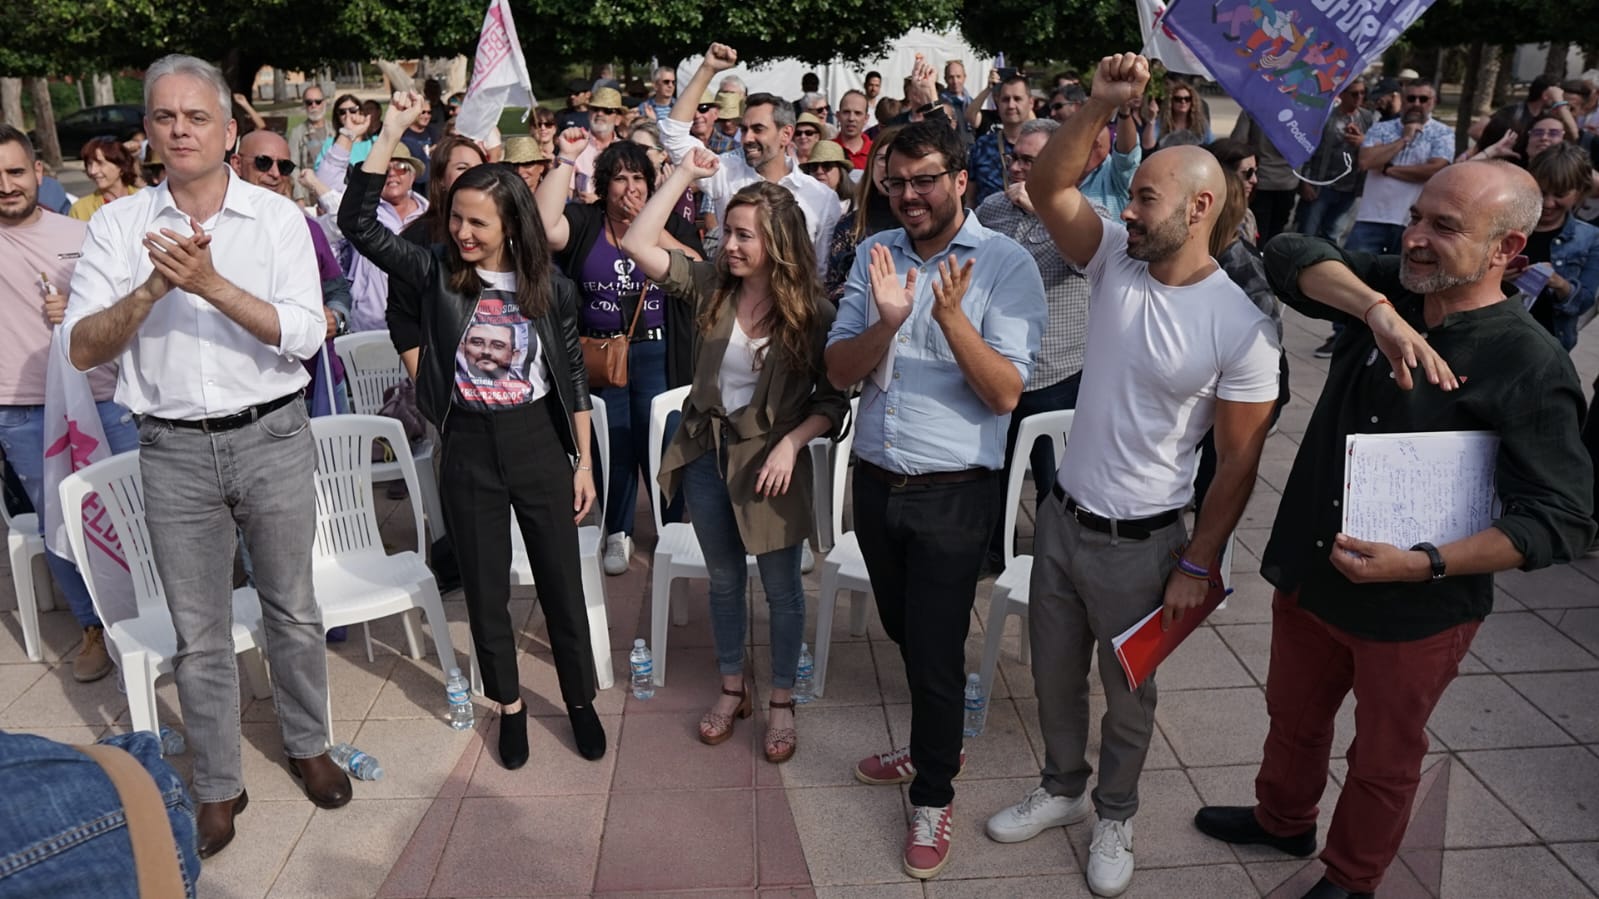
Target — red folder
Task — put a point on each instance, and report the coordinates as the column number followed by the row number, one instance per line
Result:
column 1143, row 646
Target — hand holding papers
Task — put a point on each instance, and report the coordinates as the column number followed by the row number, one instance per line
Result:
column 1403, row 489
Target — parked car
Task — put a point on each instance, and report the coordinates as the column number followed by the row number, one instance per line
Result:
column 75, row 129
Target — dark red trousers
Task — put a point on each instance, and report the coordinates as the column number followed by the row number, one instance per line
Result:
column 1313, row 667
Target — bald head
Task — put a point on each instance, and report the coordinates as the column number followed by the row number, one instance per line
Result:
column 1469, row 222
column 269, row 144
column 1506, row 195
column 1192, row 170
column 1175, row 198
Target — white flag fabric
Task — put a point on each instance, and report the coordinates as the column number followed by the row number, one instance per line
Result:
column 74, row 439
column 499, row 75
column 1161, row 44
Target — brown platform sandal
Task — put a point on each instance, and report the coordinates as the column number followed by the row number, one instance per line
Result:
column 781, row 742
column 715, row 728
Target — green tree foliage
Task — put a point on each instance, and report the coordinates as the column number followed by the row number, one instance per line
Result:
column 1075, row 31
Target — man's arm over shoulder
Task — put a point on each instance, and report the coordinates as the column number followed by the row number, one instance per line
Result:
column 1325, row 292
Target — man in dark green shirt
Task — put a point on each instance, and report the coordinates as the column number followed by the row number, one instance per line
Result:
column 1392, row 623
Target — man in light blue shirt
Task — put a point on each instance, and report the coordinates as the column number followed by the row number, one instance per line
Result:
column 1109, row 177
column 944, row 354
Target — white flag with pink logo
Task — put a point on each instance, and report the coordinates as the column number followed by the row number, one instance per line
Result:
column 499, row 75
column 74, row 439
column 1160, row 43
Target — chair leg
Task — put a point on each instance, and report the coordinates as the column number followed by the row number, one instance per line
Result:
column 475, row 677
column 660, row 603
column 256, row 671
column 27, row 603
column 431, row 506
column 433, row 606
column 138, row 680
column 826, row 601
column 1026, row 652
column 858, row 609
column 408, row 620
column 599, row 623
column 822, row 474
column 994, row 632
column 331, row 739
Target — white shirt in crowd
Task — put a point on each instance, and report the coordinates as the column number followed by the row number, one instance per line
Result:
column 188, row 360
column 818, row 201
column 740, row 369
column 1157, row 359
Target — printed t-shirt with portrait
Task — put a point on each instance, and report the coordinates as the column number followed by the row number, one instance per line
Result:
column 499, row 364
column 608, row 278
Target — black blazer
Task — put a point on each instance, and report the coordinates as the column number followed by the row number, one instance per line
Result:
column 425, row 311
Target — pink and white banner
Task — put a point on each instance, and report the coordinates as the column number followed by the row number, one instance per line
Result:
column 499, row 75
column 74, row 439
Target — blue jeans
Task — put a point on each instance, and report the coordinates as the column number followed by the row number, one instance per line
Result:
column 628, row 409
column 65, row 831
column 22, row 438
column 717, row 530
column 1374, row 237
column 1324, row 216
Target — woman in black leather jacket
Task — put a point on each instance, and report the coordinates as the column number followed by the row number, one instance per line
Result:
column 489, row 331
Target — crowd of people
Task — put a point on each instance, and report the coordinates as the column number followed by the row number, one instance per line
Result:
column 948, row 263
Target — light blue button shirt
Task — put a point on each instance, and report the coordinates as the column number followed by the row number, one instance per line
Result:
column 929, row 419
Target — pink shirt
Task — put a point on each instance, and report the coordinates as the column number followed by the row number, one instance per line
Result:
column 51, row 246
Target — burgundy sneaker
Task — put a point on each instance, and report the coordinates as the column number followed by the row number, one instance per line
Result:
column 893, row 767
column 927, row 840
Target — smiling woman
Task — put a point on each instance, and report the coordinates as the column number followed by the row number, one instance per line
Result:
column 113, row 171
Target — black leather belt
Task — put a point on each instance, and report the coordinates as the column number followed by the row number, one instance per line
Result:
column 896, row 479
column 1130, row 528
column 646, row 334
column 230, row 422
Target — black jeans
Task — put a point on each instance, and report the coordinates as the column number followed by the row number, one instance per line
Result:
column 924, row 547
column 493, row 463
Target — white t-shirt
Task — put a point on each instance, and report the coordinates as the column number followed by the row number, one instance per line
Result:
column 1157, row 359
column 740, row 369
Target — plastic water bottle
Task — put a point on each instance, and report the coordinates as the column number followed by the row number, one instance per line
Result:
column 357, row 763
column 460, row 693
column 805, row 676
column 643, row 668
column 172, row 742
column 976, row 706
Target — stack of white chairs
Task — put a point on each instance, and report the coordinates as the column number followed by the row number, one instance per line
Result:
column 844, row 569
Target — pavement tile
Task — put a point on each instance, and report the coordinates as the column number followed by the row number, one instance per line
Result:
column 1511, row 871
column 692, row 684
column 266, row 834
column 851, row 675
column 1001, row 750
column 348, row 852
column 1554, row 790
column 852, row 835
column 1582, row 625
column 1160, row 755
column 1221, row 881
column 1202, row 662
column 1566, row 697
column 413, row 872
column 1555, row 587
column 554, row 768
column 875, row 891
column 1476, row 818
column 53, row 699
column 664, row 752
column 1250, row 602
column 541, row 688
column 1214, row 727
column 890, row 672
column 540, row 845
column 1292, row 878
column 16, row 679
column 266, row 769
column 1251, row 643
column 417, row 756
column 779, row 857
column 1521, row 641
column 1582, row 858
column 678, row 840
column 832, row 740
column 1055, row 886
column 60, row 635
column 355, row 683
column 1483, row 712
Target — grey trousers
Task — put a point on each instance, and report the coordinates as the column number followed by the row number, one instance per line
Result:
column 1086, row 588
column 199, row 490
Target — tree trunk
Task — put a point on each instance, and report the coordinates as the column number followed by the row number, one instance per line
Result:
column 1507, row 75
column 280, row 85
column 1488, row 59
column 11, row 102
column 1468, row 98
column 1554, row 65
column 102, row 88
column 44, row 120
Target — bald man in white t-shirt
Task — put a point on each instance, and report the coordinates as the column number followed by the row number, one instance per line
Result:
column 1173, row 348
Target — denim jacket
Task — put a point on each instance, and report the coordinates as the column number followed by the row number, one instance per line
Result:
column 1574, row 253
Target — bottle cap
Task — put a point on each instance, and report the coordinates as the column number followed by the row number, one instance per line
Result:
column 455, row 672
column 638, row 643
column 973, row 678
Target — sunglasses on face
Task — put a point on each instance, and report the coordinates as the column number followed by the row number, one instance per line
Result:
column 604, row 109
column 703, row 108
column 346, row 110
column 806, row 132
column 668, row 81
column 317, row 102
column 1422, row 99
column 1057, row 107
column 546, row 124
column 819, row 111
column 813, row 168
column 1247, row 174
column 1182, row 98
column 264, row 163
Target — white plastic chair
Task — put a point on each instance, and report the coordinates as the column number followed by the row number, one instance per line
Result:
column 590, row 543
column 822, row 477
column 1011, row 588
column 145, row 644
column 357, row 579
column 23, row 545
column 677, row 549
column 844, row 568
column 371, row 366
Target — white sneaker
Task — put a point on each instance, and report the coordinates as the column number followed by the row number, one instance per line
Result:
column 807, row 558
column 1110, row 858
column 618, row 553
column 1037, row 812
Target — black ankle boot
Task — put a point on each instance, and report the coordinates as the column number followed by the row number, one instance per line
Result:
column 587, row 730
column 513, row 738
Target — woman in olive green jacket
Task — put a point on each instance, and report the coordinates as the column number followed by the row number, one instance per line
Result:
column 759, row 396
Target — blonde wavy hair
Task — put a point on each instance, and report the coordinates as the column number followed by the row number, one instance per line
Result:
column 794, row 283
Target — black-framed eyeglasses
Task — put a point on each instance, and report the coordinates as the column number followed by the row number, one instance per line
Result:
column 264, row 163
column 921, row 184
column 317, row 102
column 1247, row 174
column 1023, row 158
column 1422, row 99
column 1547, row 133
column 807, row 132
column 819, row 111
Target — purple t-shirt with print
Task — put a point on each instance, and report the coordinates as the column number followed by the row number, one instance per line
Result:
column 608, row 276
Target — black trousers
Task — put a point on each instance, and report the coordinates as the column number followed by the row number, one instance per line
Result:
column 1590, row 439
column 493, row 463
column 924, row 548
column 1273, row 209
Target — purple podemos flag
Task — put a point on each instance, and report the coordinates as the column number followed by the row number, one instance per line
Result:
column 1285, row 61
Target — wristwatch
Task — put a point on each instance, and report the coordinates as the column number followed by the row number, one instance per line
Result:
column 1435, row 557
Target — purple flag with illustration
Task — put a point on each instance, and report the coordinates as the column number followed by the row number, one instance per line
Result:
column 1285, row 61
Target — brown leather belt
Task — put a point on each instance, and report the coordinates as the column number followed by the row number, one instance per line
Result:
column 896, row 479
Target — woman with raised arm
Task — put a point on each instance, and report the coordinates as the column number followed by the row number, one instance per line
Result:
column 759, row 395
column 488, row 329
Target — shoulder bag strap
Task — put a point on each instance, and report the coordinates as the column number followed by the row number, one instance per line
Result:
column 155, row 853
column 638, row 306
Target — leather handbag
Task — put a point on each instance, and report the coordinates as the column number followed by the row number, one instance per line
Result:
column 605, row 358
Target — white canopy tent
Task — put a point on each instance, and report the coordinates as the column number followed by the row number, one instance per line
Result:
column 782, row 77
